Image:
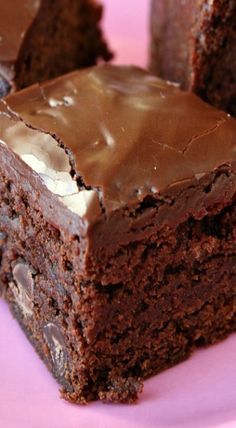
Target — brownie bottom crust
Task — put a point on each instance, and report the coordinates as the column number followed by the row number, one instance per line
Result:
column 100, row 341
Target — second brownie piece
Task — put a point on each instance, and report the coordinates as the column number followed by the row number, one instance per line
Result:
column 43, row 39
column 194, row 44
column 117, row 226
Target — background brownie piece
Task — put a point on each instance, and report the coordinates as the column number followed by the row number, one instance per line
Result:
column 194, row 43
column 118, row 219
column 43, row 39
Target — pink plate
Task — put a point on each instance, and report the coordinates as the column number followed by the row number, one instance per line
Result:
column 199, row 393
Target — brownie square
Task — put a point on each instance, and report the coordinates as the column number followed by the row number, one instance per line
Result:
column 44, row 39
column 117, row 226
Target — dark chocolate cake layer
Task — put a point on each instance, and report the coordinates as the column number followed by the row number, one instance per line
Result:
column 117, row 226
column 194, row 44
column 44, row 39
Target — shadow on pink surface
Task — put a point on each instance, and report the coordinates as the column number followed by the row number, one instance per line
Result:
column 199, row 393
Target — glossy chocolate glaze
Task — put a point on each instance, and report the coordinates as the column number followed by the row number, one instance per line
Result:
column 115, row 135
column 15, row 19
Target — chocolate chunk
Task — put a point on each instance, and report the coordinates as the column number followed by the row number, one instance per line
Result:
column 23, row 288
column 56, row 344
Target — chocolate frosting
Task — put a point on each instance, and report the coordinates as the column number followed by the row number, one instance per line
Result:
column 16, row 17
column 112, row 135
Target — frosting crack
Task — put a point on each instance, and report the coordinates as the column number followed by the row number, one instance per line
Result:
column 202, row 134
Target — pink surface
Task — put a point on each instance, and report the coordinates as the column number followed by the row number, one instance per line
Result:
column 199, row 393
column 126, row 27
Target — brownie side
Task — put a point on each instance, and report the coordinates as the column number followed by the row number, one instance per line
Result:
column 170, row 47
column 194, row 43
column 177, row 294
column 214, row 57
column 111, row 259
column 36, row 275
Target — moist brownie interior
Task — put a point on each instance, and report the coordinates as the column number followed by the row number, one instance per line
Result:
column 117, row 235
